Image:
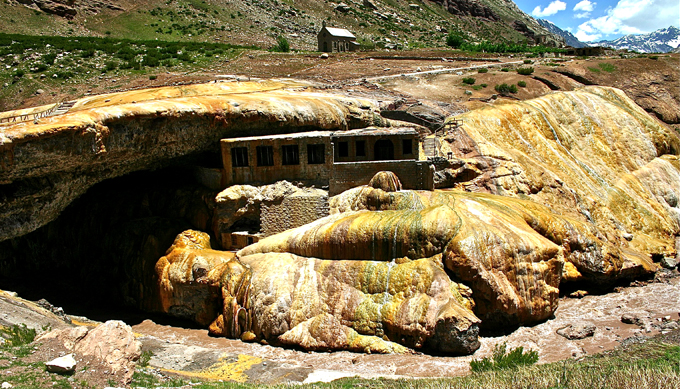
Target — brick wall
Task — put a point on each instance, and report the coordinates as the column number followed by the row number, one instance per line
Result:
column 412, row 174
column 294, row 211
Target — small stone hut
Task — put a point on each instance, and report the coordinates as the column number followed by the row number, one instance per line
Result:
column 336, row 40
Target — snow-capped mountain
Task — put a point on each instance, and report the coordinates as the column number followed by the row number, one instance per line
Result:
column 659, row 41
column 570, row 39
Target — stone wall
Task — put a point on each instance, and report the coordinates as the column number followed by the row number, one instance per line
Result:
column 294, row 211
column 412, row 174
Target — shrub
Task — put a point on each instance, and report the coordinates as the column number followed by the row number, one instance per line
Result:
column 525, row 71
column 505, row 70
column 482, row 70
column 152, row 77
column 469, row 80
column 527, row 61
column 522, row 84
column 483, row 85
column 111, row 65
column 654, row 57
column 282, row 45
column 454, row 40
column 502, row 359
column 504, row 89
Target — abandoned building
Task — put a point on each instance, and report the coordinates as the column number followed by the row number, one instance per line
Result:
column 335, row 161
column 335, row 40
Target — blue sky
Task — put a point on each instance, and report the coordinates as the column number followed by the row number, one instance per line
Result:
column 595, row 20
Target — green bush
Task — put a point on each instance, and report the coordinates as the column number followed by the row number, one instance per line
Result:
column 522, row 84
column 454, row 40
column 505, row 70
column 153, row 77
column 483, row 85
column 111, row 65
column 525, row 71
column 482, row 70
column 282, row 45
column 505, row 89
column 502, row 359
column 527, row 61
column 469, row 80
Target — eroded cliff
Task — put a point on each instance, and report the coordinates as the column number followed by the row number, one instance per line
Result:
column 46, row 164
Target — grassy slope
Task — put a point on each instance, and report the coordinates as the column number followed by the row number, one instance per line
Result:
column 258, row 22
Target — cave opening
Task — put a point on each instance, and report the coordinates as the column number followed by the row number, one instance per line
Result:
column 97, row 258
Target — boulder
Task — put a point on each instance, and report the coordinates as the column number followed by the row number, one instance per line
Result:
column 115, row 345
column 370, row 4
column 321, row 304
column 62, row 365
column 577, row 331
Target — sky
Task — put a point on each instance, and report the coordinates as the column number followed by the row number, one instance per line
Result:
column 596, row 20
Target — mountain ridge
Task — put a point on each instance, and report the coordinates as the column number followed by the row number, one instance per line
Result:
column 663, row 40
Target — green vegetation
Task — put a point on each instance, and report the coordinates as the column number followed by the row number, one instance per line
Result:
column 482, row 70
column 454, row 40
column 525, row 71
column 17, row 335
column 487, row 47
column 282, row 45
column 523, row 84
column 607, row 67
column 505, row 70
column 469, row 80
column 502, row 359
column 505, row 89
column 527, row 61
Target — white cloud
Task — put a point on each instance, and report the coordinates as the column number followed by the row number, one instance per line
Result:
column 551, row 9
column 585, row 5
column 582, row 15
column 630, row 17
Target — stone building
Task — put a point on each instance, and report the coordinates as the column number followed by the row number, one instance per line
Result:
column 336, row 40
column 334, row 160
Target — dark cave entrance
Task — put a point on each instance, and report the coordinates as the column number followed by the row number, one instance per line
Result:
column 97, row 259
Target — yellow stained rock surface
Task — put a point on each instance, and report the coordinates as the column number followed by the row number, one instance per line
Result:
column 225, row 369
column 592, row 154
column 319, row 304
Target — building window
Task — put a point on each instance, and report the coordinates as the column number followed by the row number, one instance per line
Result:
column 343, row 149
column 265, row 156
column 316, row 154
column 407, row 146
column 361, row 148
column 239, row 156
column 290, row 155
column 383, row 150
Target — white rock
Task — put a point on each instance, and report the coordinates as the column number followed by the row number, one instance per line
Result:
column 6, row 385
column 65, row 364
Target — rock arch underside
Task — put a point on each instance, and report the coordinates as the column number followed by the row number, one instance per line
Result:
column 570, row 188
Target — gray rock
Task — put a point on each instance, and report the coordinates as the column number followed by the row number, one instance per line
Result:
column 342, row 7
column 370, row 4
column 628, row 236
column 628, row 318
column 577, row 331
column 62, row 365
column 669, row 262
column 323, row 56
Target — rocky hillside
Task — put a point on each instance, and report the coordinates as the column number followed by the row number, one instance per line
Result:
column 258, row 22
column 663, row 40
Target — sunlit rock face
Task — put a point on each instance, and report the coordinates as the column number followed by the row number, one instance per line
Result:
column 45, row 165
column 318, row 304
column 591, row 154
